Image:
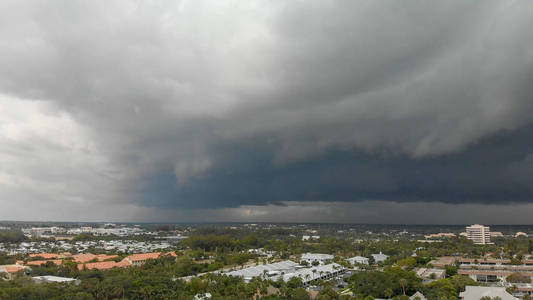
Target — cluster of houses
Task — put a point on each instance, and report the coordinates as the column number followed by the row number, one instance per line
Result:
column 107, row 229
column 84, row 261
column 122, row 246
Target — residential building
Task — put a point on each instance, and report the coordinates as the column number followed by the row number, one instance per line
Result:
column 380, row 257
column 313, row 274
column 56, row 262
column 268, row 270
column 314, row 258
column 358, row 260
column 140, row 259
column 104, row 265
column 7, row 271
column 479, row 234
column 417, row 296
column 430, row 274
column 478, row 292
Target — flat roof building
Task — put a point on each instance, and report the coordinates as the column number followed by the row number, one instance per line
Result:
column 268, row 270
column 478, row 292
column 358, row 260
column 319, row 258
column 50, row 278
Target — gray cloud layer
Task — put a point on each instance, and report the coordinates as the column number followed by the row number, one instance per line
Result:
column 198, row 104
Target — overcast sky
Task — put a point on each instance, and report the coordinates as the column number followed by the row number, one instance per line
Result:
column 323, row 111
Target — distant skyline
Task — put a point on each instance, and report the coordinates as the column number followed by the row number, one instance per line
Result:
column 390, row 112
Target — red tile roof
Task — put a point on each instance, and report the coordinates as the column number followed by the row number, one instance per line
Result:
column 144, row 256
column 44, row 255
column 104, row 265
column 14, row 269
column 83, row 258
column 57, row 262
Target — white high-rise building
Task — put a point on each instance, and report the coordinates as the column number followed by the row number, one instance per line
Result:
column 479, row 234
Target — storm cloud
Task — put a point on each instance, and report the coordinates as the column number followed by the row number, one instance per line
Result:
column 131, row 107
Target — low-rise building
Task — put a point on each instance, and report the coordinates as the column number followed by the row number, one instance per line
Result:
column 380, row 257
column 273, row 270
column 358, row 260
column 440, row 235
column 430, row 274
column 140, row 259
column 8, row 271
column 314, row 274
column 478, row 292
column 314, row 258
column 520, row 234
column 49, row 278
column 417, row 296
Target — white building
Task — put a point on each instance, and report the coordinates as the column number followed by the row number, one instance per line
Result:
column 205, row 296
column 319, row 258
column 50, row 278
column 380, row 257
column 417, row 296
column 520, row 234
column 479, row 234
column 478, row 292
column 267, row 271
column 358, row 260
column 310, row 237
column 322, row 272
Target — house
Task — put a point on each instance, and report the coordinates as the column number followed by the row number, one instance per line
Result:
column 478, row 292
column 358, row 260
column 7, row 271
column 430, row 274
column 417, row 296
column 314, row 258
column 380, row 257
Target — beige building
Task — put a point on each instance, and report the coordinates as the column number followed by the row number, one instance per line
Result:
column 479, row 234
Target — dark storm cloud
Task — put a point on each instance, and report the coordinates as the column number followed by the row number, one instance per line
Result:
column 483, row 173
column 221, row 104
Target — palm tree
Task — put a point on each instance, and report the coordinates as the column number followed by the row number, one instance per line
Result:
column 389, row 293
column 403, row 283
